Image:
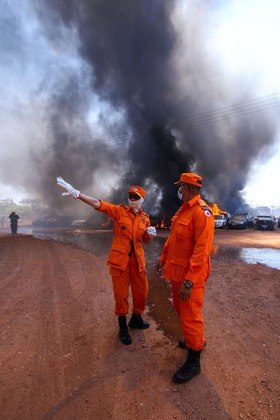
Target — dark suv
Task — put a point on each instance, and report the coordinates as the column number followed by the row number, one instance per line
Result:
column 265, row 222
column 241, row 221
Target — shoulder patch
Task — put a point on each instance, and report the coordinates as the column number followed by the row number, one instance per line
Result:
column 207, row 210
column 207, row 213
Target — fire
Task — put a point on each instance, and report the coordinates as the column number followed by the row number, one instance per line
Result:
column 160, row 225
column 216, row 210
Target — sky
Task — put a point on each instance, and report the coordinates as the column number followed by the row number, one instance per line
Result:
column 193, row 87
column 252, row 51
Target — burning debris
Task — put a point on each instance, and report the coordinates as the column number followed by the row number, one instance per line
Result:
column 161, row 224
column 221, row 217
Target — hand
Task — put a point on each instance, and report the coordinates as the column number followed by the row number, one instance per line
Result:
column 159, row 268
column 151, row 231
column 184, row 293
column 68, row 187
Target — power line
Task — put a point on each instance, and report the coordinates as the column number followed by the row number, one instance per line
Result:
column 236, row 110
column 239, row 105
column 228, row 115
column 240, row 109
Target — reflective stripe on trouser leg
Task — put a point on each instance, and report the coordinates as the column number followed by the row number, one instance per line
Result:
column 139, row 285
column 190, row 314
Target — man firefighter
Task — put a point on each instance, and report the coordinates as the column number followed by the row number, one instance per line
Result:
column 185, row 262
column 14, row 222
column 126, row 258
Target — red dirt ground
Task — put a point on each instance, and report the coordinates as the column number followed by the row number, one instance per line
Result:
column 61, row 358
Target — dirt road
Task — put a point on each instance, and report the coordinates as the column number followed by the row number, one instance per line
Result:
column 61, row 358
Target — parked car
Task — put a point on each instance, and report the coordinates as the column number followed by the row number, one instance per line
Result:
column 279, row 222
column 265, row 222
column 241, row 221
column 220, row 221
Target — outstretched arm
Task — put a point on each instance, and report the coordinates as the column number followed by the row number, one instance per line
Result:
column 94, row 202
column 71, row 191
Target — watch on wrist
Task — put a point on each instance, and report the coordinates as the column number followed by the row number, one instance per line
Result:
column 188, row 284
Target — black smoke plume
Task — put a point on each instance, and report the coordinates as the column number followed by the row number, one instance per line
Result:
column 131, row 53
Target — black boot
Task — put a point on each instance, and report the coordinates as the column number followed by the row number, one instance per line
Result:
column 190, row 368
column 136, row 321
column 123, row 332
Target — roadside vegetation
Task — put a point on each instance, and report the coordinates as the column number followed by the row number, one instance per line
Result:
column 28, row 210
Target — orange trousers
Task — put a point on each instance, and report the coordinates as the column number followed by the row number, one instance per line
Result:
column 190, row 315
column 138, row 282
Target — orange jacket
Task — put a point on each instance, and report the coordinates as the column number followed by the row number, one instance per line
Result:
column 186, row 253
column 129, row 232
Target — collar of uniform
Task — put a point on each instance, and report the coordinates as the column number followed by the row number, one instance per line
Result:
column 130, row 210
column 193, row 200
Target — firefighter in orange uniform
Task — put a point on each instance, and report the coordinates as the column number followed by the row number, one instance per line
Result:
column 126, row 258
column 185, row 262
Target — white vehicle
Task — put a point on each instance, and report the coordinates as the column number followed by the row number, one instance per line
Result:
column 220, row 221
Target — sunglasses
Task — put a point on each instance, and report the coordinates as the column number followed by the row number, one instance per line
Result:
column 133, row 196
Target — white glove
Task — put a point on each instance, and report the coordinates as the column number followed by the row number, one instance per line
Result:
column 151, row 231
column 68, row 187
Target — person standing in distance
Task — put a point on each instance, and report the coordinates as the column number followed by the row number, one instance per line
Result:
column 185, row 262
column 126, row 258
column 14, row 222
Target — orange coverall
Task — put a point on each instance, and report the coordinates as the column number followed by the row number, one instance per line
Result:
column 126, row 258
column 186, row 255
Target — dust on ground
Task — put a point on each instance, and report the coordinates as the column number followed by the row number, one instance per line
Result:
column 60, row 354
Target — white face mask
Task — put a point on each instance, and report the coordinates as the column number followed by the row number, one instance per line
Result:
column 180, row 192
column 180, row 195
column 136, row 205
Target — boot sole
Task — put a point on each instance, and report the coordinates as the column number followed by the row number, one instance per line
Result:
column 125, row 341
column 182, row 381
column 135, row 327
